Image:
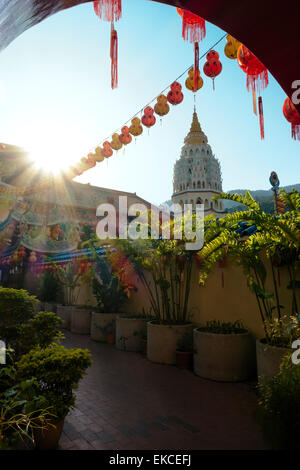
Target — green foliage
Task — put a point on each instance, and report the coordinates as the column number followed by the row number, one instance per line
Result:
column 107, row 288
column 223, row 328
column 16, row 307
column 50, row 287
column 279, row 406
column 276, row 243
column 40, row 331
column 57, row 371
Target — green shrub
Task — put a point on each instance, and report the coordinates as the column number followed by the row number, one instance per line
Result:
column 40, row 331
column 16, row 307
column 278, row 408
column 108, row 290
column 57, row 371
column 50, row 287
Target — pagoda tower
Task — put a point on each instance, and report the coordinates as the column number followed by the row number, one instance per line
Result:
column 197, row 173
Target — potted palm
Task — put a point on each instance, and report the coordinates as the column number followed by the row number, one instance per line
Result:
column 224, row 351
column 275, row 243
column 111, row 296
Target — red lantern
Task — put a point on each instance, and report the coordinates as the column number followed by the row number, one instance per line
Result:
column 175, row 95
column 107, row 150
column 193, row 26
column 257, row 78
column 213, row 67
column 148, row 119
column 125, row 137
column 291, row 114
column 111, row 10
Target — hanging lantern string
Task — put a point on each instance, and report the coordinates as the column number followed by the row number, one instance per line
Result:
column 165, row 89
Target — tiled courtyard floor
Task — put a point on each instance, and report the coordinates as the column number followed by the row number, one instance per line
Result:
column 126, row 402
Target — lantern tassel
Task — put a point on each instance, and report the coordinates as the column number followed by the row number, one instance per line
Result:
column 254, row 102
column 196, row 66
column 213, row 80
column 261, row 118
column 108, row 10
column 114, row 56
column 296, row 131
column 193, row 32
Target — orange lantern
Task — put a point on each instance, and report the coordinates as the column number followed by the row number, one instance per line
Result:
column 162, row 108
column 98, row 154
column 148, row 119
column 116, row 143
column 213, row 67
column 231, row 48
column 175, row 96
column 136, row 128
column 291, row 114
column 32, row 258
column 107, row 150
column 190, row 81
column 125, row 137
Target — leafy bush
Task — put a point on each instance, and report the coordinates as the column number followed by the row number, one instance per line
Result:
column 16, row 307
column 50, row 287
column 223, row 328
column 40, row 331
column 57, row 371
column 107, row 288
column 278, row 408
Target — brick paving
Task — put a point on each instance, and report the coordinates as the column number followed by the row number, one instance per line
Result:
column 126, row 402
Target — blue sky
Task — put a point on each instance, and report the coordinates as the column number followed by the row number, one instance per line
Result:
column 56, row 101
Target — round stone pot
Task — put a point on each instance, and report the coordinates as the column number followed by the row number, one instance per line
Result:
column 162, row 341
column 268, row 359
column 81, row 321
column 102, row 325
column 48, row 438
column 129, row 333
column 65, row 312
column 224, row 357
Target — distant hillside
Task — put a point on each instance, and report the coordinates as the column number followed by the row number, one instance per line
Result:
column 264, row 197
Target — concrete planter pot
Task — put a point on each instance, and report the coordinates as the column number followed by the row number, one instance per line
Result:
column 224, row 357
column 129, row 333
column 48, row 439
column 65, row 312
column 102, row 325
column 162, row 341
column 268, row 359
column 81, row 321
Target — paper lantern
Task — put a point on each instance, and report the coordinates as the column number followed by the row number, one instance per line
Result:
column 32, row 258
column 107, row 150
column 136, row 128
column 231, row 48
column 125, row 137
column 175, row 96
column 293, row 117
column 99, row 155
column 213, row 67
column 116, row 143
column 91, row 159
column 148, row 119
column 162, row 108
column 190, row 82
column 193, row 26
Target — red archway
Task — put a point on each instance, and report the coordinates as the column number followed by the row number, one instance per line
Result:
column 269, row 29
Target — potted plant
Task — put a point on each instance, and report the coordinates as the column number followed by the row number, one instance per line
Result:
column 130, row 331
column 111, row 296
column 184, row 351
column 274, row 243
column 72, row 276
column 50, row 290
column 224, row 351
column 278, row 408
column 164, row 269
column 57, row 371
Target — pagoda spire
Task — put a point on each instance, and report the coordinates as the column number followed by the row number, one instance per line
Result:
column 196, row 135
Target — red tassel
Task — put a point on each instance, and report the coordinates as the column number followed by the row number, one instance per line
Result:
column 114, row 57
column 196, row 66
column 261, row 118
column 254, row 102
column 258, row 82
column 193, row 27
column 296, row 131
column 108, row 10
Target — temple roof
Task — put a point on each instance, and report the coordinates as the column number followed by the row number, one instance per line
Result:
column 196, row 134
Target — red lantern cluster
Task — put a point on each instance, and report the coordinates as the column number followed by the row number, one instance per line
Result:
column 212, row 67
column 193, row 26
column 175, row 95
column 291, row 114
column 148, row 118
column 257, row 73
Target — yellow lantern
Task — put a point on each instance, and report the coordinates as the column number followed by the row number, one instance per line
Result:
column 98, row 154
column 115, row 144
column 136, row 128
column 189, row 83
column 231, row 47
column 162, row 108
